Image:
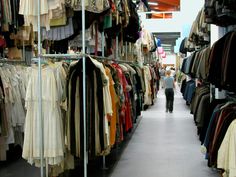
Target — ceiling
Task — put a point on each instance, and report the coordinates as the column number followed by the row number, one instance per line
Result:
column 164, row 5
column 163, row 9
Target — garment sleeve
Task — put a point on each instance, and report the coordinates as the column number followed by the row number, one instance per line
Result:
column 226, row 158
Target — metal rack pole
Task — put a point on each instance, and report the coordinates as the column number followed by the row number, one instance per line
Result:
column 130, row 51
column 117, row 49
column 62, row 55
column 23, row 52
column 40, row 93
column 103, row 44
column 126, row 50
column 103, row 54
column 84, row 88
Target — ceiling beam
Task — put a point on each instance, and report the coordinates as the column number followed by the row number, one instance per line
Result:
column 164, row 6
column 169, row 2
column 161, row 8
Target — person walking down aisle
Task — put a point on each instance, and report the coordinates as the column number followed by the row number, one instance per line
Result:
column 169, row 85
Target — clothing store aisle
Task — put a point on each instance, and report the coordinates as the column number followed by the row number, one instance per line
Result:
column 164, row 145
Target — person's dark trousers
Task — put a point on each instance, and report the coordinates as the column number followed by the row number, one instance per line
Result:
column 169, row 92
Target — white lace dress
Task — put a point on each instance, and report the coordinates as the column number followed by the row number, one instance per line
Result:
column 52, row 122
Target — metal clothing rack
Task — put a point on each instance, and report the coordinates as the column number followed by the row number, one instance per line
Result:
column 40, row 88
column 68, row 56
column 77, row 56
column 18, row 62
column 12, row 61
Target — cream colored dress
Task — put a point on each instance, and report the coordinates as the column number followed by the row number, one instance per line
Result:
column 51, row 115
column 148, row 92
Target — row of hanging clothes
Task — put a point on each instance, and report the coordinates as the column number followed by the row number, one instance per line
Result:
column 195, row 87
column 219, row 136
column 219, row 141
column 13, row 83
column 222, row 62
column 61, row 25
column 215, row 121
column 196, row 70
column 115, row 92
column 215, row 118
column 221, row 13
column 131, row 88
column 187, row 89
column 214, row 115
column 195, row 66
column 199, row 35
column 199, row 106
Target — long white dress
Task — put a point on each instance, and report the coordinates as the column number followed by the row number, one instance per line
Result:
column 51, row 115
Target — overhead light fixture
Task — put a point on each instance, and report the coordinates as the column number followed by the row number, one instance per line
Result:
column 153, row 3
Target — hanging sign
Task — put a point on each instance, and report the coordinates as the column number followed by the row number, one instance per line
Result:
column 160, row 50
column 163, row 55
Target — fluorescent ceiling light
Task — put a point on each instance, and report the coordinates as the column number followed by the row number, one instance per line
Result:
column 152, row 3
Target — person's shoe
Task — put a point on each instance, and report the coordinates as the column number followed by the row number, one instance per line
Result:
column 166, row 110
column 171, row 111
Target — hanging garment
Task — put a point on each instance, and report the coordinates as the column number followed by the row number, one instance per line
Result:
column 125, row 114
column 28, row 8
column 209, row 112
column 53, row 139
column 112, row 118
column 203, row 68
column 227, row 115
column 221, row 13
column 120, row 100
column 139, row 88
column 128, row 92
column 148, row 92
column 199, row 34
column 221, row 61
column 58, row 33
column 133, row 92
column 90, row 5
column 226, row 154
column 7, row 13
column 106, row 101
column 189, row 91
column 200, row 91
column 12, row 114
column 95, row 124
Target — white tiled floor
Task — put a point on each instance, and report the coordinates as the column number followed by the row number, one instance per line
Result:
column 164, row 145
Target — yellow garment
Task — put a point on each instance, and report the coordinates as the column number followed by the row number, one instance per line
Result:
column 59, row 21
column 112, row 118
column 226, row 158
